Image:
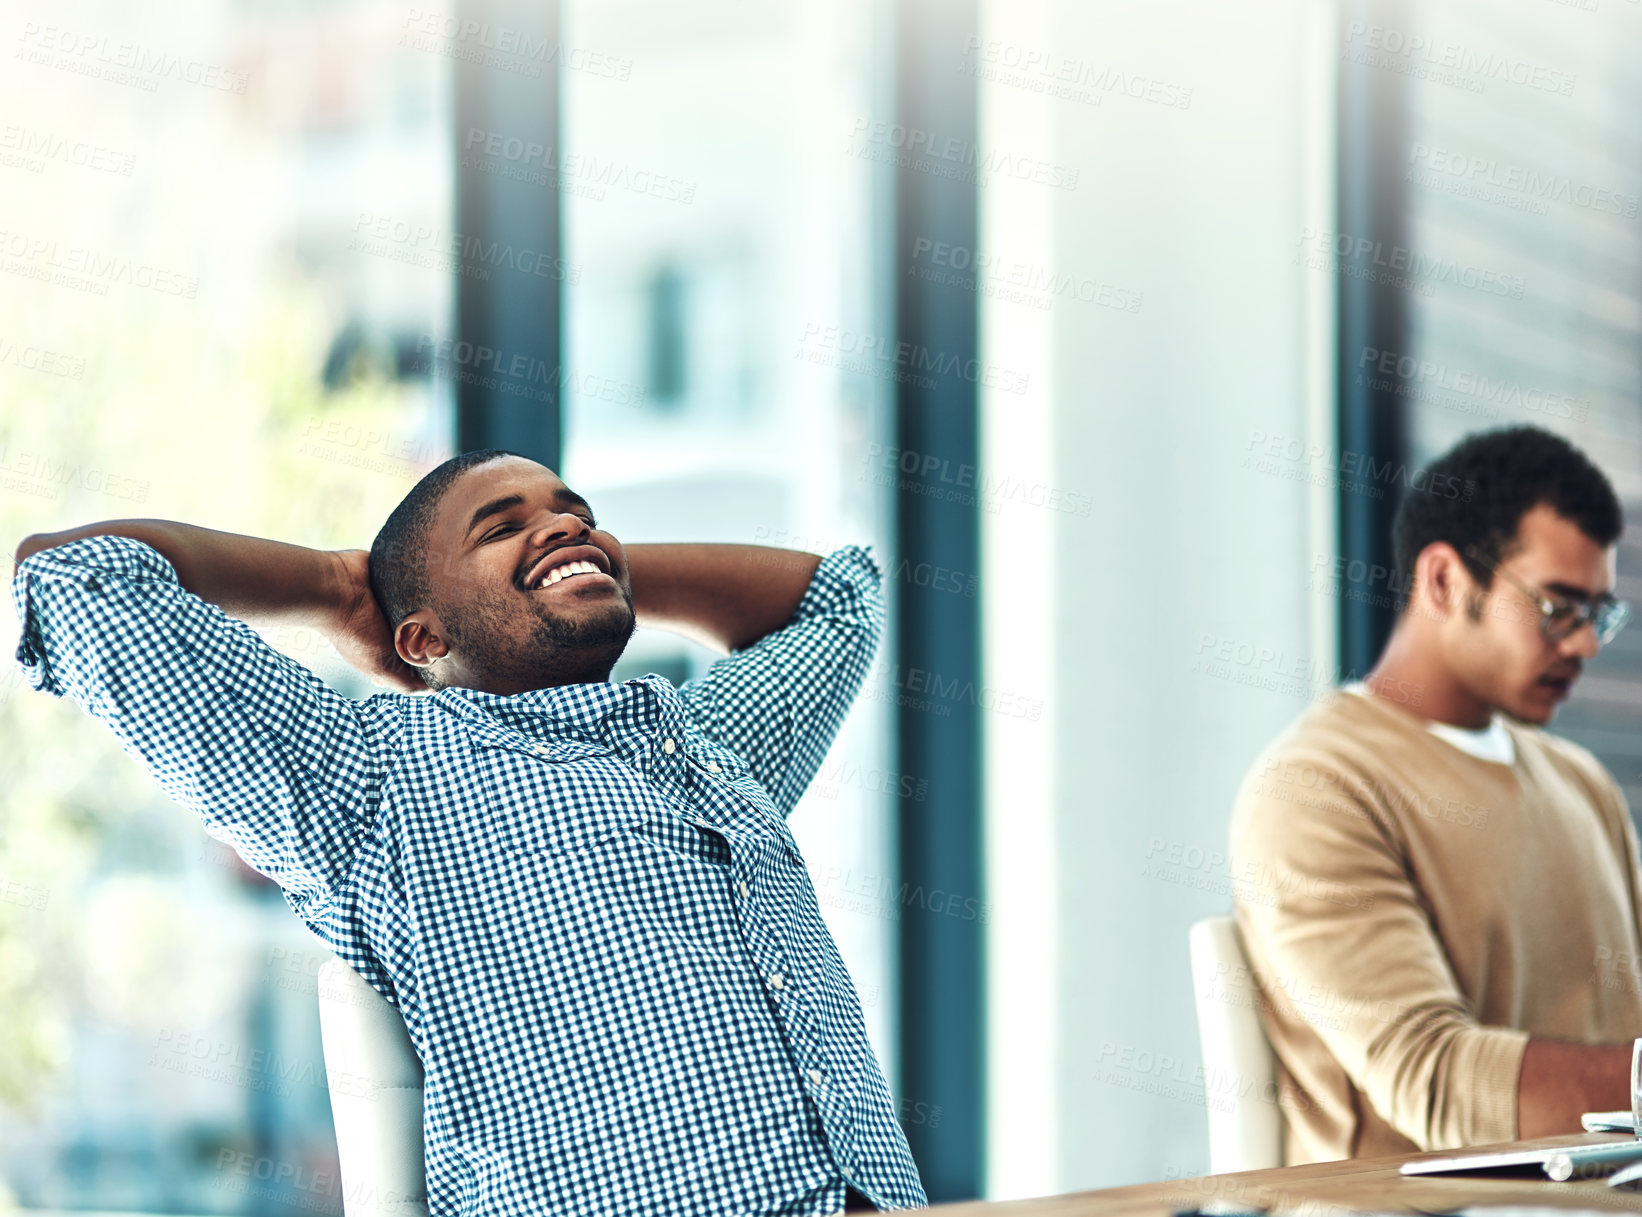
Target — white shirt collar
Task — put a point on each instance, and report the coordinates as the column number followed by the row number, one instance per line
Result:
column 1490, row 743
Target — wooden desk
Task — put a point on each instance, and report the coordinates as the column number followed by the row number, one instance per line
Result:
column 1328, row 1189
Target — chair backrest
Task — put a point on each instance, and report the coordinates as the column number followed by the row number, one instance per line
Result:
column 1239, row 1068
column 375, row 1081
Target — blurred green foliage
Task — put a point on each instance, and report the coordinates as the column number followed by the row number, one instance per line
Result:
column 175, row 417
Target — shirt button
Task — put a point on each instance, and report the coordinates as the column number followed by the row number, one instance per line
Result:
column 667, row 745
column 744, row 889
column 776, row 982
column 543, row 749
column 714, row 767
column 815, row 1076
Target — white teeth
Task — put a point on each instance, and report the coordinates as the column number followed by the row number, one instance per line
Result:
column 560, row 573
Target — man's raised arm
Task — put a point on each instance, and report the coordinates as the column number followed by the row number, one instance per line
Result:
column 804, row 630
column 726, row 597
column 265, row 583
column 284, row 769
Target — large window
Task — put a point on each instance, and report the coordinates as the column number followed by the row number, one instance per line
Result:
column 723, row 237
column 220, row 244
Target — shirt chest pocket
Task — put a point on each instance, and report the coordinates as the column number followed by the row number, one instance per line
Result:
column 567, row 797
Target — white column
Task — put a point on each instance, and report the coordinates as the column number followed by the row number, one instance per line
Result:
column 1167, row 322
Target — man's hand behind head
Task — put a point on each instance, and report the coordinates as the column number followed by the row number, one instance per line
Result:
column 361, row 634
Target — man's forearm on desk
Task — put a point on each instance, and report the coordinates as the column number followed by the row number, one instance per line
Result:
column 725, row 596
column 259, row 581
column 1562, row 1081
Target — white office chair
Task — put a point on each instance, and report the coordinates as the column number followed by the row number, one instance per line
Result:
column 1240, row 1069
column 375, row 1080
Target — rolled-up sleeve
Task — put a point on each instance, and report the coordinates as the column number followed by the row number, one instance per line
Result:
column 282, row 768
column 1337, row 932
column 779, row 703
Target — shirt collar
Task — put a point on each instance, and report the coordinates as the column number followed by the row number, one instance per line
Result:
column 607, row 713
column 1490, row 743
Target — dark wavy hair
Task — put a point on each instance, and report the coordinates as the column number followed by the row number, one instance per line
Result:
column 1509, row 472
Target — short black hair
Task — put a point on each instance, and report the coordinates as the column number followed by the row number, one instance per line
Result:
column 1504, row 474
column 398, row 565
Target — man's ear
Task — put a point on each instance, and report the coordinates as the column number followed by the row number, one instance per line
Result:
column 1443, row 576
column 419, row 639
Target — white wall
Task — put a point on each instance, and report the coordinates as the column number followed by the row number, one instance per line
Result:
column 1100, row 605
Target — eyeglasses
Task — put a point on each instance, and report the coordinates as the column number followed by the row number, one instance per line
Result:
column 1560, row 617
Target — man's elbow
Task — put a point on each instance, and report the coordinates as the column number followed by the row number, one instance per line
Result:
column 37, row 541
column 1445, row 1081
column 33, row 544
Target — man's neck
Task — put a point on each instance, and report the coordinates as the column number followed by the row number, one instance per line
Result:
column 1405, row 664
column 511, row 684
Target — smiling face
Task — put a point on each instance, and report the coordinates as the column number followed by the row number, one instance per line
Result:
column 524, row 590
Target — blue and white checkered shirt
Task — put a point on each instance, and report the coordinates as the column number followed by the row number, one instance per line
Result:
column 584, row 901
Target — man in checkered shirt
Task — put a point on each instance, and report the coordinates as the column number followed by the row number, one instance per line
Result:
column 582, row 897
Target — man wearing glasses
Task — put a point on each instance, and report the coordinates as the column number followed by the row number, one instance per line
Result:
column 1440, row 900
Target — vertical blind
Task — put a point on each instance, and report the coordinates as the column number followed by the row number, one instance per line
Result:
column 1522, row 177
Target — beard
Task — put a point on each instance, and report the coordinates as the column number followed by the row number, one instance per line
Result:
column 561, row 648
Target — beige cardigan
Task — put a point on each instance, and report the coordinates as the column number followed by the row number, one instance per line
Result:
column 1413, row 914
